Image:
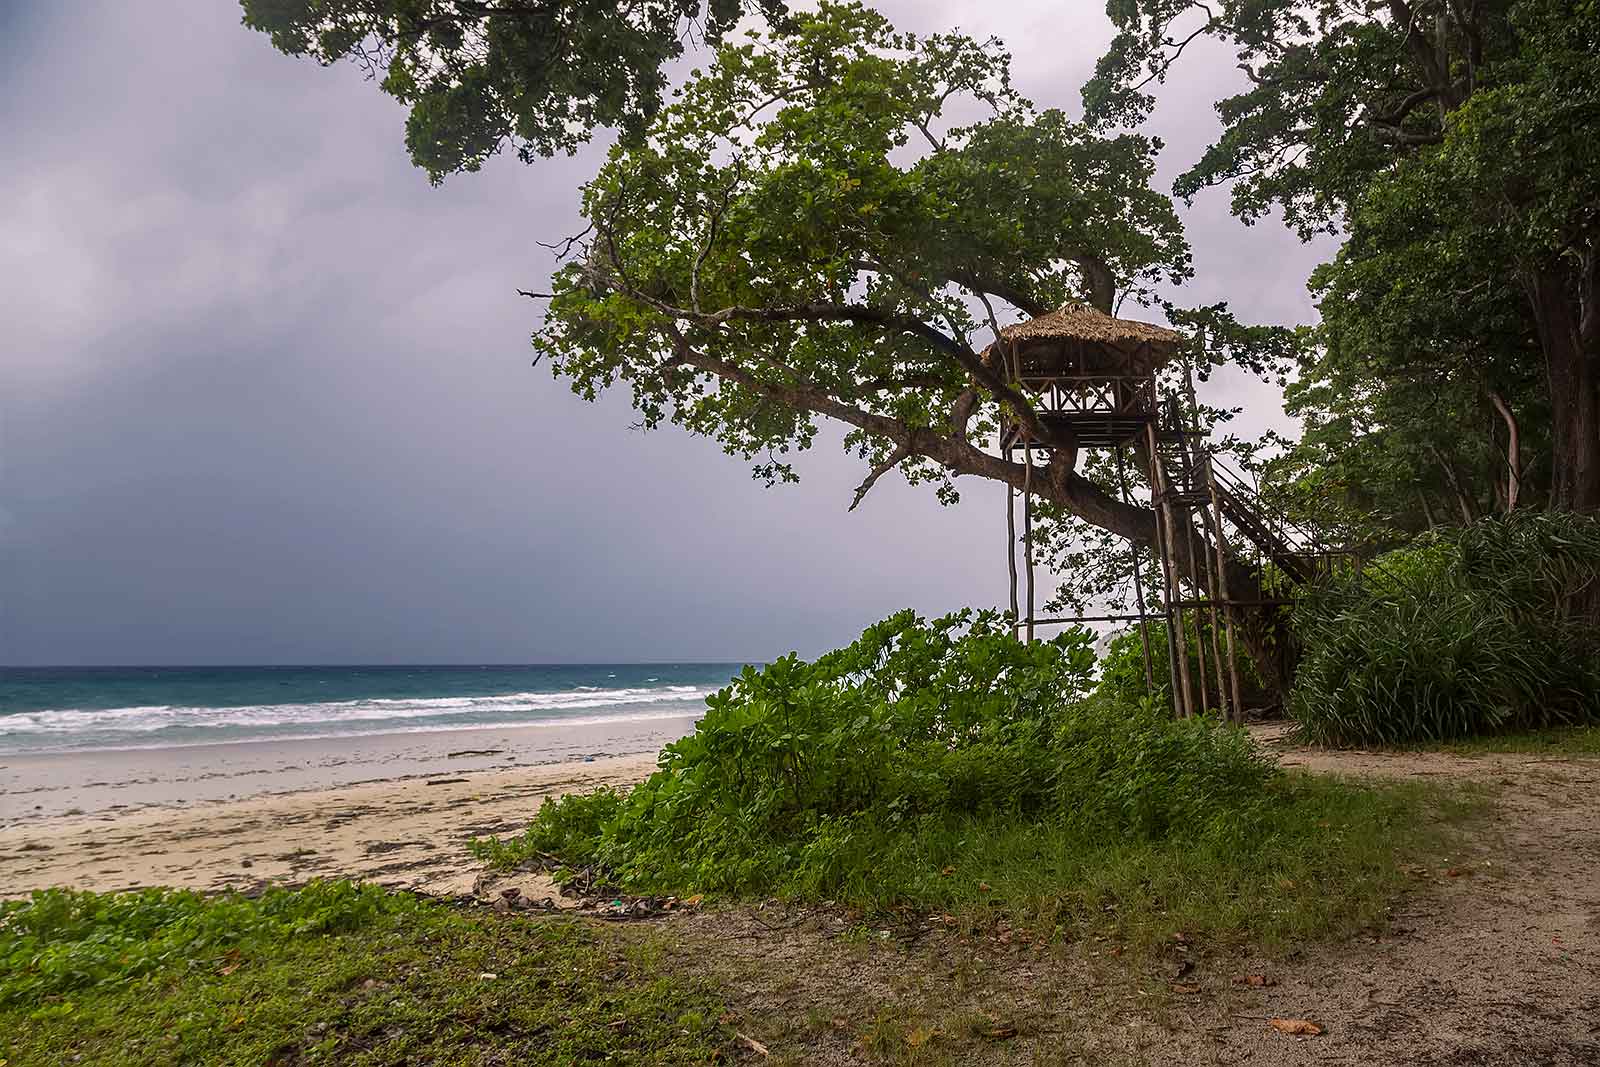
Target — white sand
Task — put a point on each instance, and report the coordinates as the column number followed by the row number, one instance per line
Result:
column 396, row 808
column 403, row 833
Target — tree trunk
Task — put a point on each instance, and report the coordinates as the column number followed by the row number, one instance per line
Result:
column 1568, row 317
column 1513, row 450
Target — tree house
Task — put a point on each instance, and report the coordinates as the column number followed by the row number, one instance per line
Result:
column 1090, row 381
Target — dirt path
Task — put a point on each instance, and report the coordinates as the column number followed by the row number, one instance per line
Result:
column 1497, row 963
column 1501, row 966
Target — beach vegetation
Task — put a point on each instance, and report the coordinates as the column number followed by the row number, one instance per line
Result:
column 1492, row 628
column 334, row 973
column 949, row 766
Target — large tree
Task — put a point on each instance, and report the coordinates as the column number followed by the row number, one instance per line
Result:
column 829, row 223
column 807, row 235
column 1465, row 131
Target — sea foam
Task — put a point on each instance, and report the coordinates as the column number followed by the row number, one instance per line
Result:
column 75, row 726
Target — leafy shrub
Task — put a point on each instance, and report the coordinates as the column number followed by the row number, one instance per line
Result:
column 801, row 775
column 1488, row 630
column 61, row 939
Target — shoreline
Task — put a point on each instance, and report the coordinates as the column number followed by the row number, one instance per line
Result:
column 43, row 785
column 404, row 832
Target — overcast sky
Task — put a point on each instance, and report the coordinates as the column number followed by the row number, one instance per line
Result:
column 266, row 394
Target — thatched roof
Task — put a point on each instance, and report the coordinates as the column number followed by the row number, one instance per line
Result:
column 1080, row 322
column 1088, row 340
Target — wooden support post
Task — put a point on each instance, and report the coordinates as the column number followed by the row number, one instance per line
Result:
column 1011, row 547
column 1199, row 613
column 1027, row 527
column 1228, row 608
column 1138, row 586
column 1202, row 467
column 1213, row 594
column 1177, row 663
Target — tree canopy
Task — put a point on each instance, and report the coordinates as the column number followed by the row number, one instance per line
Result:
column 807, row 233
column 481, row 75
column 1456, row 143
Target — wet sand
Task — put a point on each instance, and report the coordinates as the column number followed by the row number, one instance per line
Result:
column 42, row 785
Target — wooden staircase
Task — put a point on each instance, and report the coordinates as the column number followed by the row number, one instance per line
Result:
column 1196, row 479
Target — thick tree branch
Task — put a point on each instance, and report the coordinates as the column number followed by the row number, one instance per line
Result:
column 1010, row 294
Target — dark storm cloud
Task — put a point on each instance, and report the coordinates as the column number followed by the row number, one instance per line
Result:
column 267, row 394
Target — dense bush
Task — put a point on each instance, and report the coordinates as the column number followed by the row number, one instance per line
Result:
column 801, row 774
column 1486, row 630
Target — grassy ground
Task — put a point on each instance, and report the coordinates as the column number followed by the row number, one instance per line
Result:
column 336, row 974
column 410, row 982
column 1327, row 862
column 1556, row 741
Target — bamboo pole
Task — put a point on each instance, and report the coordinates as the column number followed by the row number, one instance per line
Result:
column 1227, row 598
column 1011, row 546
column 1199, row 611
column 1138, row 585
column 1213, row 591
column 1027, row 494
column 1177, row 668
column 1027, row 527
column 1193, row 457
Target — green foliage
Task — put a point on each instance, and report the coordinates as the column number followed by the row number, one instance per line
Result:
column 1458, row 147
column 339, row 974
column 1489, row 630
column 948, row 766
column 803, row 776
column 797, row 760
column 538, row 75
column 58, row 940
column 808, row 232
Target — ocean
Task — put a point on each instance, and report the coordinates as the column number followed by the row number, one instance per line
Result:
column 61, row 709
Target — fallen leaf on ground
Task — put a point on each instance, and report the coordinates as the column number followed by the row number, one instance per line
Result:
column 983, row 887
column 694, row 901
column 1255, row 981
column 752, row 1044
column 1458, row 872
column 947, row 871
column 1185, row 987
column 1000, row 1033
column 1296, row 1027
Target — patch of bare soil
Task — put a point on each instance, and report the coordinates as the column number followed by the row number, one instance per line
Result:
column 1496, row 961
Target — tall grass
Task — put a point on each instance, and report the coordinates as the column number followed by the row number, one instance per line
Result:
column 1489, row 630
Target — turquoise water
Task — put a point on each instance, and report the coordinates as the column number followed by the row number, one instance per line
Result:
column 56, row 708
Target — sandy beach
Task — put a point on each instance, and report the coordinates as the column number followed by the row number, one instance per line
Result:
column 392, row 808
column 408, row 832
